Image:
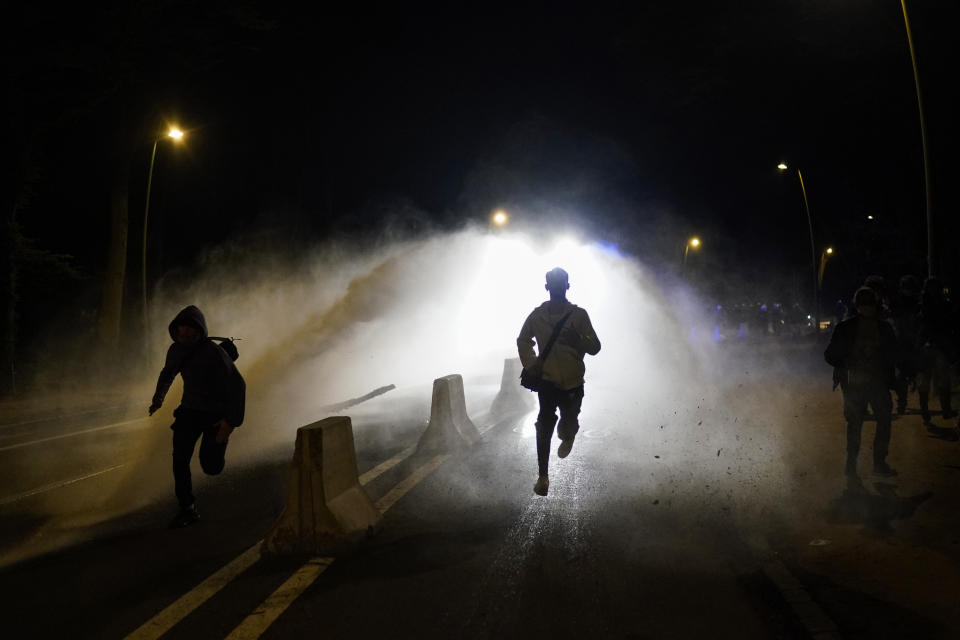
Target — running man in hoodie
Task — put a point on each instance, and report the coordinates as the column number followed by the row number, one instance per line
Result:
column 563, row 368
column 211, row 408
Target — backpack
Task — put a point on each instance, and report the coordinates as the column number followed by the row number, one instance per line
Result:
column 228, row 345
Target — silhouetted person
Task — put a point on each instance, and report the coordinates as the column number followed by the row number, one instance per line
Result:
column 863, row 350
column 905, row 311
column 937, row 348
column 563, row 368
column 879, row 286
column 212, row 405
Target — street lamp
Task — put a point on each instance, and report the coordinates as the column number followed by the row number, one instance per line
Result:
column 176, row 135
column 692, row 243
column 931, row 259
column 824, row 256
column 813, row 250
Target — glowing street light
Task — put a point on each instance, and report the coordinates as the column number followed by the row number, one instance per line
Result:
column 813, row 251
column 499, row 218
column 176, row 135
column 824, row 256
column 694, row 243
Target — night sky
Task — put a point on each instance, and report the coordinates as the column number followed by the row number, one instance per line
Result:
column 641, row 123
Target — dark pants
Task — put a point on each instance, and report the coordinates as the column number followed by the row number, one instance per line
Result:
column 189, row 426
column 569, row 404
column 906, row 373
column 856, row 397
column 935, row 372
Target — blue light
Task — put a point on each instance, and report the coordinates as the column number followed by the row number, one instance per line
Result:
column 610, row 248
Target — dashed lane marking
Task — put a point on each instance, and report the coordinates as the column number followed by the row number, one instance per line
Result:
column 57, row 485
column 187, row 603
column 73, row 433
column 277, row 602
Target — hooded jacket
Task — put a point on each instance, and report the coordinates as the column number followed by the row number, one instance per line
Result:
column 211, row 382
column 564, row 364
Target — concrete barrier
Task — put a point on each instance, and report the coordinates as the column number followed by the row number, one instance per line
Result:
column 327, row 511
column 512, row 397
column 449, row 428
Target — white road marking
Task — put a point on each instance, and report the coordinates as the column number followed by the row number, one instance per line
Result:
column 188, row 602
column 57, row 485
column 73, row 433
column 277, row 602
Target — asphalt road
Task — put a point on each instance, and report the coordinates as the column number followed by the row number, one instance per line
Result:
column 717, row 514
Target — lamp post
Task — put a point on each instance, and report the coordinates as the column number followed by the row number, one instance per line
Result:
column 692, row 243
column 176, row 135
column 813, row 250
column 824, row 256
column 931, row 261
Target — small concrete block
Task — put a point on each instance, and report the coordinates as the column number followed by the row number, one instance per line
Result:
column 512, row 397
column 327, row 511
column 450, row 428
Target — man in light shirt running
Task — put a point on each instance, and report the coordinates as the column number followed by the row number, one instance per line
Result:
column 562, row 369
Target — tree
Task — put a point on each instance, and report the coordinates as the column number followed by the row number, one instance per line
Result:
column 117, row 64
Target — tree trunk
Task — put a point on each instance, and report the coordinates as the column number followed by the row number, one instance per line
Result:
column 111, row 306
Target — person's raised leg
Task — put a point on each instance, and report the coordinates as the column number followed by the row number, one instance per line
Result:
column 212, row 453
column 569, row 425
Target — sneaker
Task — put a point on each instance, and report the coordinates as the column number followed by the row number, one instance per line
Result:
column 543, row 484
column 883, row 469
column 565, row 446
column 185, row 517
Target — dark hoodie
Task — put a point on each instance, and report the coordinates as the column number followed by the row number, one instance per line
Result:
column 211, row 382
column 867, row 355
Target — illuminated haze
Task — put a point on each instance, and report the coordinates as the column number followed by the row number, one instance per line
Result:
column 337, row 324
